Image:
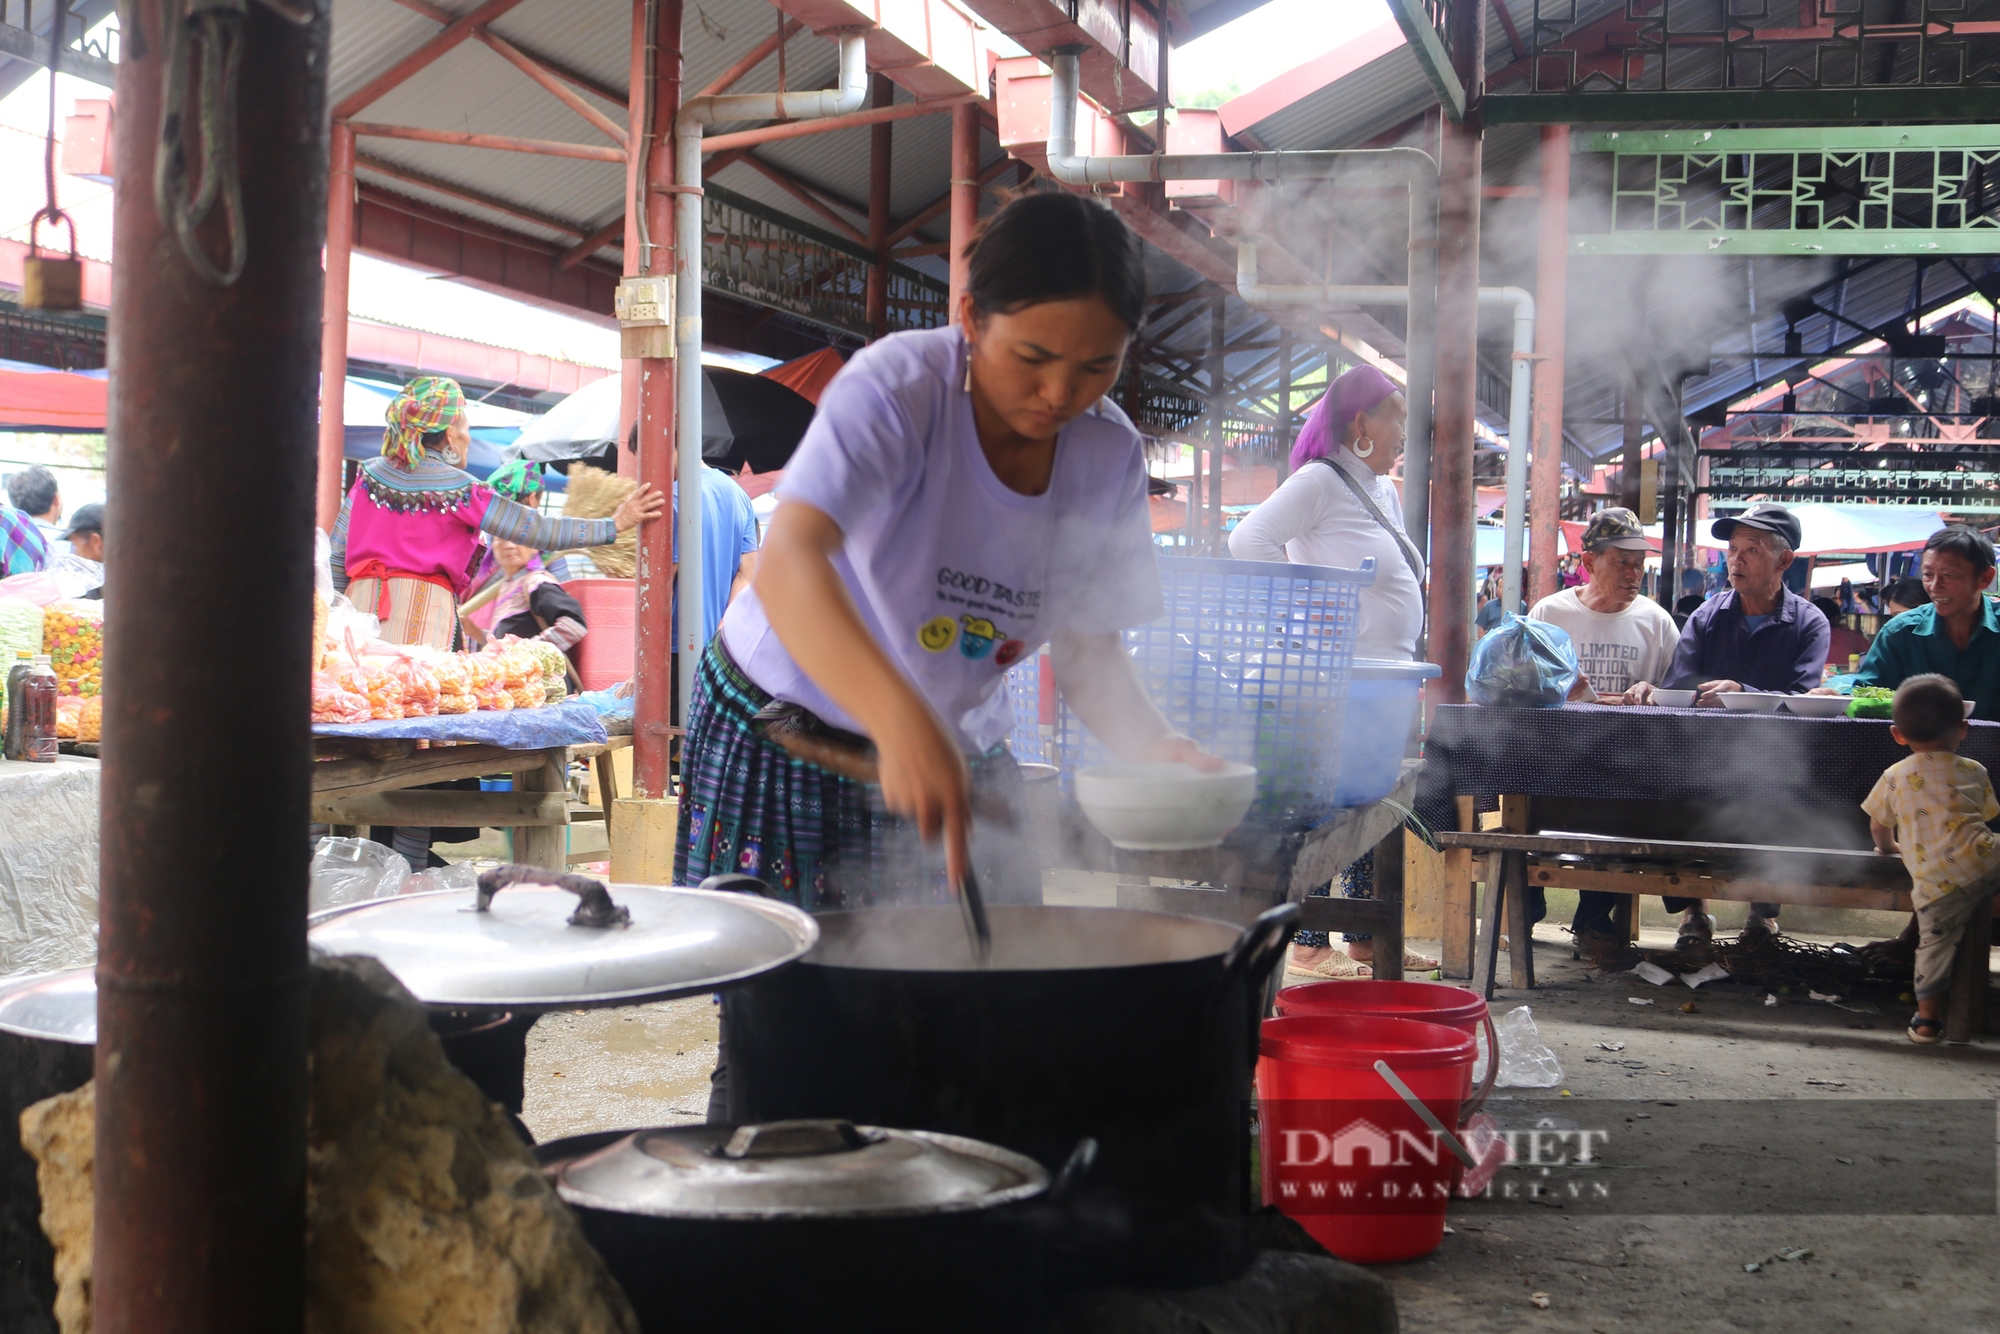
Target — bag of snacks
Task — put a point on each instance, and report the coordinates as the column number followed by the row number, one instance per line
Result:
column 555, row 669
column 334, row 702
column 489, row 688
column 68, row 709
column 73, row 637
column 90, row 719
column 385, row 691
column 454, row 682
column 419, row 683
column 520, row 673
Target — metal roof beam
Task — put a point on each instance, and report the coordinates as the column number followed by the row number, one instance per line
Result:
column 756, row 56
column 501, row 142
column 581, row 82
column 545, row 79
column 492, row 203
column 1703, row 106
column 799, row 129
column 1432, row 58
column 806, row 195
column 932, row 211
column 455, row 34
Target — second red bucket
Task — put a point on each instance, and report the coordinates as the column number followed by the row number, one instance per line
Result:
column 1342, row 1153
column 1426, row 1002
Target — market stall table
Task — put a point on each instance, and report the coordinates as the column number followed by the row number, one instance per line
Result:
column 1695, row 803
column 366, row 772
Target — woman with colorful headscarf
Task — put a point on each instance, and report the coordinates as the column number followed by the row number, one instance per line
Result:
column 1339, row 508
column 410, row 531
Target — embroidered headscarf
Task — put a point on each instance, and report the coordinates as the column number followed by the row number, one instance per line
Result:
column 427, row 403
column 1359, row 390
column 516, row 479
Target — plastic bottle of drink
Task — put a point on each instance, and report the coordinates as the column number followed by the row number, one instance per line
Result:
column 24, row 662
column 38, row 713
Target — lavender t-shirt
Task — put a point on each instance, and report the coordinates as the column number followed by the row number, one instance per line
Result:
column 958, row 577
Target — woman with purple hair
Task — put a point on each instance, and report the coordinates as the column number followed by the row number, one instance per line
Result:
column 1339, row 508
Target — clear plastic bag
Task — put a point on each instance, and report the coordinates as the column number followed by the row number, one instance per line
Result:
column 353, row 870
column 458, row 875
column 1525, row 1061
column 1522, row 664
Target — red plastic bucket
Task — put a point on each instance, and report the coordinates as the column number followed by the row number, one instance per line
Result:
column 1427, row 1002
column 1342, row 1154
column 608, row 651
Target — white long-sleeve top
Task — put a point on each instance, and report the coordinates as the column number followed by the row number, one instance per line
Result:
column 1314, row 519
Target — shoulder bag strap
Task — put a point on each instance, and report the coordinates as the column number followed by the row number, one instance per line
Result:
column 1403, row 544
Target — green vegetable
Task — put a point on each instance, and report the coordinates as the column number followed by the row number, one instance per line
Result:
column 1871, row 702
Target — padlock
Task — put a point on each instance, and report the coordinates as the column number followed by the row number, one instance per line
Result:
column 48, row 283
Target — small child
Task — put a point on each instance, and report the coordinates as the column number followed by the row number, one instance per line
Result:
column 1932, row 808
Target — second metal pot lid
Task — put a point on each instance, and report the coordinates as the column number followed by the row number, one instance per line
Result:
column 61, row 1007
column 796, row 1169
column 531, row 940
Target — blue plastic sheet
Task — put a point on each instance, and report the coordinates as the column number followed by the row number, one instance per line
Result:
column 570, row 723
column 1522, row 664
column 608, row 703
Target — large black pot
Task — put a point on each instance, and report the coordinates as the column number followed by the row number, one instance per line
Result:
column 954, row 1243
column 1135, row 1029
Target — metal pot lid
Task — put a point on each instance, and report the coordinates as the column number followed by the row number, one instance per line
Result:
column 536, row 947
column 61, row 1007
column 796, row 1169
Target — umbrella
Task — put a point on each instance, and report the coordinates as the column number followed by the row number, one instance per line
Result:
column 744, row 419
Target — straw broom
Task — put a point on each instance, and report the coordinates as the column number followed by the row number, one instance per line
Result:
column 595, row 494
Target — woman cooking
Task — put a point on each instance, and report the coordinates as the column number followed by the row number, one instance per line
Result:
column 1338, row 508
column 964, row 495
column 409, row 530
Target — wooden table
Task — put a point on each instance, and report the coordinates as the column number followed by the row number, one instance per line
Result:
column 360, row 783
column 1258, row 867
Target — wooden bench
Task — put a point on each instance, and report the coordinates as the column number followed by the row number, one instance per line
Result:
column 1509, row 860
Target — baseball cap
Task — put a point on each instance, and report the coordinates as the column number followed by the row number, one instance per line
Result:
column 1615, row 528
column 87, row 519
column 1768, row 518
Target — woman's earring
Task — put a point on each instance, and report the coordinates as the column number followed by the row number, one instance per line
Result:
column 968, row 368
column 1357, row 447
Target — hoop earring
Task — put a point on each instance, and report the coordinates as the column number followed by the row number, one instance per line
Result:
column 1360, row 453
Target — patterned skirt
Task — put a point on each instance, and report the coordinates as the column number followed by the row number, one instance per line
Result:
column 1356, row 882
column 825, row 841
column 419, row 612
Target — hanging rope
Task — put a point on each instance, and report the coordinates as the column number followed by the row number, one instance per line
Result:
column 204, row 40
column 51, row 211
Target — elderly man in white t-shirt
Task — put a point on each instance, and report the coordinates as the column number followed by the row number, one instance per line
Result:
column 1624, row 643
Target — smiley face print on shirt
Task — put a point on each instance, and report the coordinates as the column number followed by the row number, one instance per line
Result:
column 977, row 638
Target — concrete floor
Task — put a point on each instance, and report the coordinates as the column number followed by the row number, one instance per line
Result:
column 607, row 1069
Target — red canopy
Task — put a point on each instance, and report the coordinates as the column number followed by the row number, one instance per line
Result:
column 808, row 375
column 52, row 401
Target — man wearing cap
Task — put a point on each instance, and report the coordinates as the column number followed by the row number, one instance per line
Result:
column 1757, row 635
column 80, row 572
column 1624, row 643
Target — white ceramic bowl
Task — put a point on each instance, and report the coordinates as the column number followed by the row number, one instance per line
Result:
column 1165, row 807
column 1970, row 705
column 1817, row 706
column 1749, row 701
column 1674, row 699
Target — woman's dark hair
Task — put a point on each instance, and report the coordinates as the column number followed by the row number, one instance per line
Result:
column 1905, row 592
column 434, row 439
column 1829, row 609
column 1689, row 604
column 1969, row 544
column 1056, row 246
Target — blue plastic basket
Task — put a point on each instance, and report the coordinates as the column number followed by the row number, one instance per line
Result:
column 1252, row 659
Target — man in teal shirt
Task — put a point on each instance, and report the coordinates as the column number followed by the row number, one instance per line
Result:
column 1957, row 635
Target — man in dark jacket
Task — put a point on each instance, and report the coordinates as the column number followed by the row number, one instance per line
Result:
column 1757, row 636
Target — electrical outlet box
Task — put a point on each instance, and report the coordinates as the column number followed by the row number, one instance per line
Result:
column 644, row 301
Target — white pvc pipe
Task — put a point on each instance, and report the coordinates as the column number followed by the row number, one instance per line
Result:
column 808, row 105
column 1412, row 165
column 1519, row 391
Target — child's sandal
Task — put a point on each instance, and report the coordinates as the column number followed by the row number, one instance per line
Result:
column 1926, row 1031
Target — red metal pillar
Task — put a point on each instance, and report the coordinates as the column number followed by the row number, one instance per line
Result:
column 1453, row 508
column 333, row 323
column 964, row 196
column 878, row 211
column 636, row 144
column 1551, row 309
column 654, row 709
column 201, row 971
